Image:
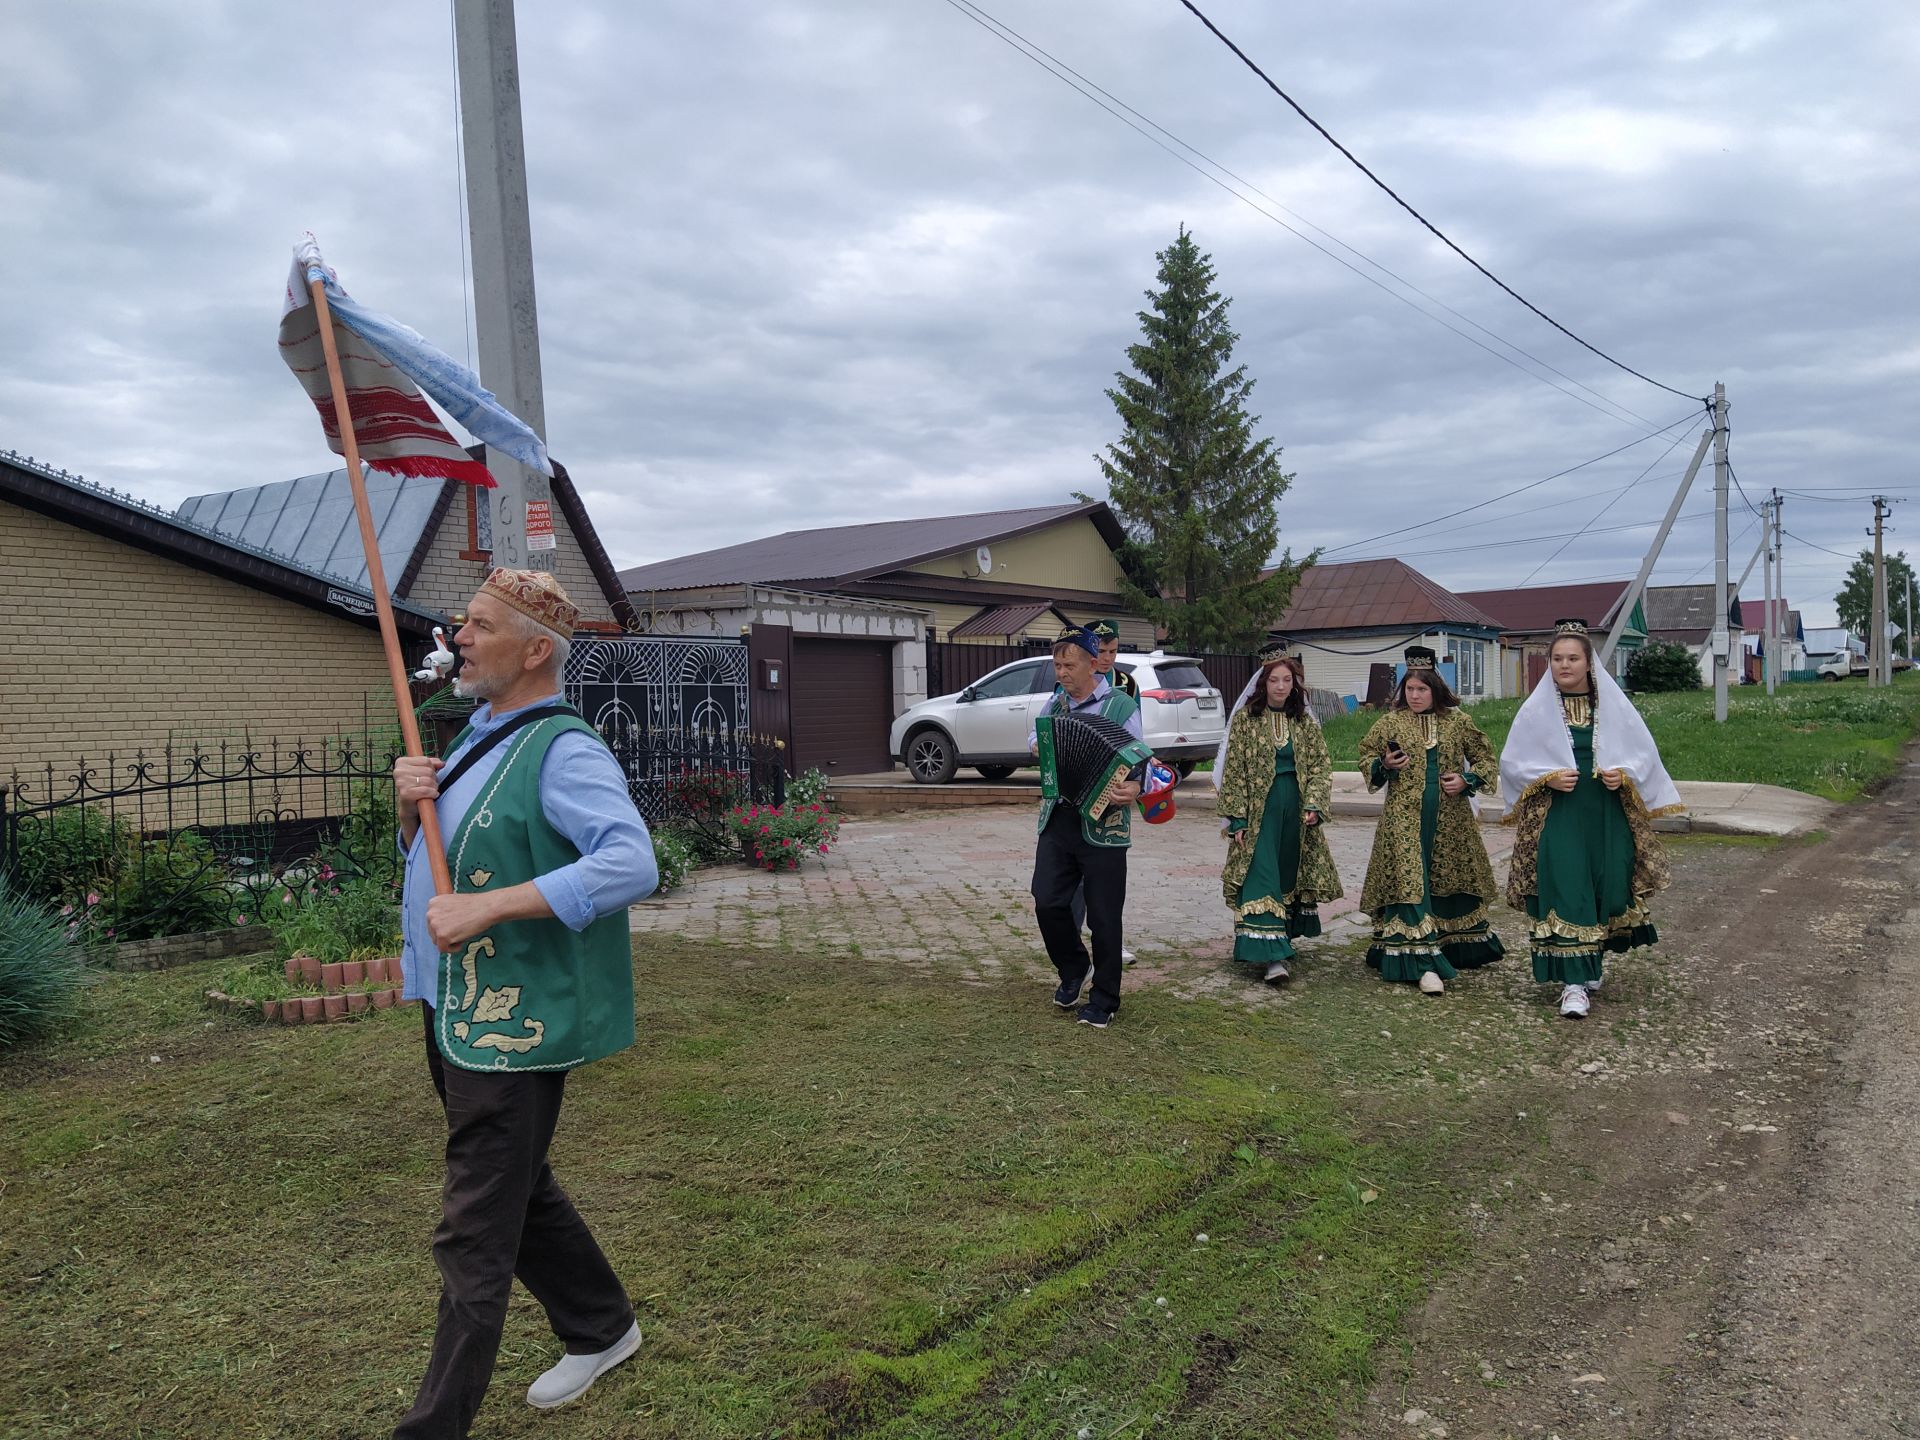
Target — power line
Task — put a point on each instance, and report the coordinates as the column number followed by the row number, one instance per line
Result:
column 1615, row 500
column 1517, row 490
column 1248, row 62
column 991, row 22
column 1065, row 74
column 1804, row 541
column 1561, row 535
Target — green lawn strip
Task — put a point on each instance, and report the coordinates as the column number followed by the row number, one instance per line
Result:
column 845, row 1198
column 1824, row 739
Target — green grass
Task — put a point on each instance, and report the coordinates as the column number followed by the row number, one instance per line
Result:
column 1824, row 739
column 848, row 1202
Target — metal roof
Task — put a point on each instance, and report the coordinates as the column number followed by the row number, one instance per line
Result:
column 311, row 522
column 1001, row 620
column 838, row 554
column 1540, row 607
column 1684, row 613
column 1374, row 594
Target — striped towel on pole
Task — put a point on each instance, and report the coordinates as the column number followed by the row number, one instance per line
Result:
column 386, row 365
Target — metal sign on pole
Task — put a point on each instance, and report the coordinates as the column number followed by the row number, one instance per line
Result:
column 506, row 321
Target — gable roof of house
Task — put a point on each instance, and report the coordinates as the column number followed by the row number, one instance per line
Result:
column 839, row 555
column 1756, row 612
column 311, row 520
column 1374, row 594
column 102, row 511
column 1539, row 607
column 1685, row 612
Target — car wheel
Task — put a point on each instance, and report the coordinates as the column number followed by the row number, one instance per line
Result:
column 995, row 773
column 1184, row 768
column 930, row 757
column 1834, row 678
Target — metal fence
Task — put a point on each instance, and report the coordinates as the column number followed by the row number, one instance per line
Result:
column 200, row 839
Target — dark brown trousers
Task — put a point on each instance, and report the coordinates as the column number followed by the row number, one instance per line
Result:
column 503, row 1214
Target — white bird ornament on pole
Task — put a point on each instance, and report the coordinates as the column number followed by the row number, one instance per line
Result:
column 439, row 660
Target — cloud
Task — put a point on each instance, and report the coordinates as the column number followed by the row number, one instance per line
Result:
column 811, row 264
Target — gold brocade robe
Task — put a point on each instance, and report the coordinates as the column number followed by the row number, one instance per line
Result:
column 1246, row 778
column 1460, row 864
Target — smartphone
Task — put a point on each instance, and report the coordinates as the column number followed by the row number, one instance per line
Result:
column 1393, row 748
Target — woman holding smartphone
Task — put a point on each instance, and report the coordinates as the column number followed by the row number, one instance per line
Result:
column 1429, row 881
column 1276, row 782
column 1585, row 781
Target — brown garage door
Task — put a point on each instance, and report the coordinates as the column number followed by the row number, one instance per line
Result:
column 842, row 705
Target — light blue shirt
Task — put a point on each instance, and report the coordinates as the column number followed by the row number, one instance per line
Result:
column 584, row 796
column 1101, row 689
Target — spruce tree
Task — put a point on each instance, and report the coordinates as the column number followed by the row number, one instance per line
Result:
column 1195, row 492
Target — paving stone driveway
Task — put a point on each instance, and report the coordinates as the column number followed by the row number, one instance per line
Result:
column 948, row 890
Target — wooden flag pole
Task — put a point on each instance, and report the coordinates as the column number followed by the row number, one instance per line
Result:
column 377, row 582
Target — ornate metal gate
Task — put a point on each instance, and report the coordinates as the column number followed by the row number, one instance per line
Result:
column 670, row 707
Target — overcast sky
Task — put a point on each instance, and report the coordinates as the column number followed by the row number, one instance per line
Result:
column 811, row 264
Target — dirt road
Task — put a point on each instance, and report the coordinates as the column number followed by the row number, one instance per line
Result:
column 1721, row 1236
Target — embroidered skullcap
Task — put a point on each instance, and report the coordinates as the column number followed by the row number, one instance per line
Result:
column 535, row 594
column 1104, row 629
column 1083, row 636
column 1569, row 627
column 1271, row 652
column 1419, row 657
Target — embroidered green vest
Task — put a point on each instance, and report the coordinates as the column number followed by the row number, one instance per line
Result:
column 1113, row 829
column 528, row 994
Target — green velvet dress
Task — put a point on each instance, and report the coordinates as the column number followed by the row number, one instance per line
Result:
column 1583, row 903
column 1266, row 933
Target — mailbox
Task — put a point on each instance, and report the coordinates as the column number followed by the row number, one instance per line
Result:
column 771, row 671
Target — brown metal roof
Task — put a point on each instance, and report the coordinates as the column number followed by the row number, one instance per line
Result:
column 1002, row 620
column 1374, row 594
column 833, row 556
column 1537, row 607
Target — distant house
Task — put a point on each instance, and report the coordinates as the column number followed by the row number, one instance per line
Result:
column 1348, row 618
column 1527, row 617
column 1825, row 643
column 1684, row 615
column 1794, row 653
column 860, row 614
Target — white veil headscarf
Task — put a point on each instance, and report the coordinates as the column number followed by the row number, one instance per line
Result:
column 1539, row 743
column 1220, row 755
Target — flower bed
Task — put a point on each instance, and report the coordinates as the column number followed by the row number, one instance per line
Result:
column 778, row 837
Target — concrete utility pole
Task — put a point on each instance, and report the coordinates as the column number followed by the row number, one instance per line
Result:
column 1780, row 586
column 1879, row 657
column 1768, row 663
column 1721, row 638
column 505, row 317
column 1639, row 586
column 1909, row 615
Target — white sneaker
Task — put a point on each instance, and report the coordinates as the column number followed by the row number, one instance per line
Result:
column 1276, row 972
column 1431, row 983
column 570, row 1379
column 1126, row 956
column 1574, row 1003
column 1592, row 985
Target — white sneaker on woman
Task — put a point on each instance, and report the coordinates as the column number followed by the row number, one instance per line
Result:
column 1431, row 983
column 1574, row 1002
column 570, row 1379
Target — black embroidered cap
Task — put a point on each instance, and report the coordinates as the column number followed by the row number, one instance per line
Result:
column 1420, row 657
column 1569, row 627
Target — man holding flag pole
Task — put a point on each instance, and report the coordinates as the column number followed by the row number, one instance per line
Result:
column 519, row 946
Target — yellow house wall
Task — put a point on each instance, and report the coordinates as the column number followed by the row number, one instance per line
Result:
column 117, row 649
column 1067, row 556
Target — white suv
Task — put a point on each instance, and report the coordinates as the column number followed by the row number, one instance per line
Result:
column 1181, row 717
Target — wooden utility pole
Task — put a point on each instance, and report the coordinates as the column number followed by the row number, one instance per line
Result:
column 506, row 320
column 1879, row 657
column 1720, row 641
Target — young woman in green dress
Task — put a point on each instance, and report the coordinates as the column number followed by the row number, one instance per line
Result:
column 1429, row 881
column 1275, row 786
column 1585, row 781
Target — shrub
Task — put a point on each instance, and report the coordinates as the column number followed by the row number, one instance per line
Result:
column 778, row 837
column 808, row 788
column 347, row 922
column 1661, row 667
column 67, row 853
column 41, row 973
column 675, row 856
column 172, row 886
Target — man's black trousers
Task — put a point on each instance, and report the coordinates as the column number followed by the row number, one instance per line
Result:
column 1064, row 862
column 503, row 1214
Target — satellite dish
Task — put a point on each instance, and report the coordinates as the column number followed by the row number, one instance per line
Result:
column 983, row 557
